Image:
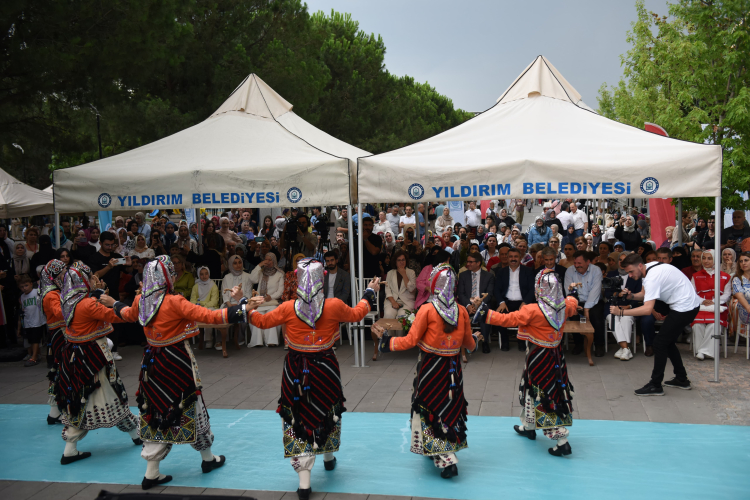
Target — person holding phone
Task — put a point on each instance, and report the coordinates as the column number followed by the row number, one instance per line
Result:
column 106, row 266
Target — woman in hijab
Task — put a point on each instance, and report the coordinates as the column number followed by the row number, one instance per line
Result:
column 643, row 229
column 703, row 326
column 141, row 250
column 205, row 293
column 241, row 251
column 728, row 260
column 94, row 239
column 20, row 263
column 545, row 389
column 64, row 241
column 270, row 281
column 170, row 236
column 390, row 242
column 40, row 259
column 227, row 234
column 81, row 249
column 596, row 235
column 539, row 233
column 570, row 236
column 236, row 277
column 183, row 238
column 441, row 329
column 627, row 234
column 177, row 415
column 613, row 263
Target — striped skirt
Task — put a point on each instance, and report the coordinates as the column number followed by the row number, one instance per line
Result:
column 545, row 381
column 311, row 403
column 54, row 354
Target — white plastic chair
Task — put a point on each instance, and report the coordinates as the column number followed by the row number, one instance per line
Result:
column 742, row 331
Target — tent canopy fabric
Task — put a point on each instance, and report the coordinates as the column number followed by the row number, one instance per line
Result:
column 253, row 151
column 20, row 200
column 541, row 141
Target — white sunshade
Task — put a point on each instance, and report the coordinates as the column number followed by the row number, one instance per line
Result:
column 253, row 151
column 20, row 200
column 541, row 141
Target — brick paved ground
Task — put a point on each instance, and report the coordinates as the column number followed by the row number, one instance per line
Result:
column 249, row 379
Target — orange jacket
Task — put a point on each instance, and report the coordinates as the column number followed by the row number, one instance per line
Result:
column 427, row 333
column 532, row 325
column 90, row 321
column 175, row 321
column 299, row 335
column 53, row 310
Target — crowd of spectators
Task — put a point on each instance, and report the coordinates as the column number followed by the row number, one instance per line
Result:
column 493, row 252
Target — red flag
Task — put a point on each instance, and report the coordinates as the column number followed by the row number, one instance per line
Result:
column 662, row 214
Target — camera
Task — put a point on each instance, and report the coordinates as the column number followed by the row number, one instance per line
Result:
column 290, row 230
column 322, row 224
column 615, row 282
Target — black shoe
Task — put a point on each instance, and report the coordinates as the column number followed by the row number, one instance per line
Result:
column 649, row 351
column 522, row 346
column 559, row 451
column 578, row 349
column 599, row 351
column 449, row 472
column 147, row 484
column 529, row 434
column 330, row 465
column 304, row 494
column 505, row 348
column 137, row 441
column 650, row 389
column 208, row 466
column 53, row 421
column 486, row 348
column 75, row 458
column 679, row 384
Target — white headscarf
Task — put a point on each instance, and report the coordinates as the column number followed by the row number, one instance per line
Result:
column 204, row 287
column 709, row 270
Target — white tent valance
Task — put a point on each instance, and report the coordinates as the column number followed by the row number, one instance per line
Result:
column 541, row 141
column 253, row 151
column 20, row 200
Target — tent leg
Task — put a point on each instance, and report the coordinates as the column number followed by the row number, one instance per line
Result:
column 57, row 230
column 362, row 284
column 717, row 312
column 354, row 285
column 679, row 222
column 200, row 230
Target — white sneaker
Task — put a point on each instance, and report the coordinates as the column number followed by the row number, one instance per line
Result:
column 700, row 356
column 218, row 346
column 626, row 354
column 619, row 353
column 241, row 342
column 116, row 356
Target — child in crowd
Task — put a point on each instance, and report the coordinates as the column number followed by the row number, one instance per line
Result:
column 33, row 321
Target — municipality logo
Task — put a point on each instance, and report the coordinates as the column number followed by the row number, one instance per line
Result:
column 294, row 194
column 104, row 200
column 649, row 185
column 416, row 191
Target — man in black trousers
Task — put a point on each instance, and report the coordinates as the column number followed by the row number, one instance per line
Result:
column 514, row 287
column 473, row 283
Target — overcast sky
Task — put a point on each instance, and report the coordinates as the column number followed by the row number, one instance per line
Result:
column 472, row 50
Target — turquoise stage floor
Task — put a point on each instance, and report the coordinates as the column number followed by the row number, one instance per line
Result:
column 611, row 459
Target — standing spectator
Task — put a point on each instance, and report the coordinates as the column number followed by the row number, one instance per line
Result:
column 732, row 236
column 382, row 226
column 81, row 250
column 490, row 212
column 94, row 236
column 706, row 239
column 306, row 242
column 473, row 218
column 627, row 234
column 34, row 322
column 342, row 224
column 407, row 219
column 579, row 220
column 422, row 220
column 551, row 219
column 267, row 230
column 394, row 219
column 475, row 283
column 539, row 233
column 40, row 259
column 143, row 228
column 514, row 288
column 589, row 293
column 564, row 217
column 444, row 221
column 505, row 219
column 32, row 241
column 371, row 253
column 518, row 206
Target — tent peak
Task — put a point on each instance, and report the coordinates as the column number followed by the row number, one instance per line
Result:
column 255, row 97
column 541, row 78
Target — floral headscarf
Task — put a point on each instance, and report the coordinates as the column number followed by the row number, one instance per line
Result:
column 310, row 295
column 550, row 297
column 443, row 292
column 158, row 280
column 52, row 277
column 76, row 287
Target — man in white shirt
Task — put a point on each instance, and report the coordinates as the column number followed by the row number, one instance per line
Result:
column 394, row 219
column 588, row 278
column 473, row 218
column 514, row 288
column 578, row 219
column 665, row 287
column 407, row 219
column 564, row 217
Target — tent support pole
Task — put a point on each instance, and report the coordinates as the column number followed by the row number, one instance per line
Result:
column 679, row 222
column 354, row 286
column 197, row 212
column 717, row 291
column 57, row 229
column 362, row 285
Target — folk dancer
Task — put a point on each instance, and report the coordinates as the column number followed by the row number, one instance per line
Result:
column 88, row 390
column 545, row 391
column 440, row 329
column 169, row 397
column 312, row 399
column 51, row 282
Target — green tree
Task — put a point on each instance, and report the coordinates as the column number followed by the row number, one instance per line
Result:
column 689, row 73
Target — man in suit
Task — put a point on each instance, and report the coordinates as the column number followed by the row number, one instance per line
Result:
column 337, row 282
column 514, row 287
column 473, row 283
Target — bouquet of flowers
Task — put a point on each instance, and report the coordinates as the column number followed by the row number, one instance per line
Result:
column 407, row 320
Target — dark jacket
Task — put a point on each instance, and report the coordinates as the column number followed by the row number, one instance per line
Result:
column 630, row 240
column 486, row 285
column 526, row 282
column 342, row 286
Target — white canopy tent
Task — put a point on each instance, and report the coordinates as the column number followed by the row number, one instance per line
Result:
column 541, row 141
column 20, row 200
column 253, row 151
